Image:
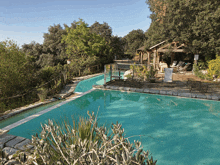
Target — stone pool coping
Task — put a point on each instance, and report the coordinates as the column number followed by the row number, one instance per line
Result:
column 207, row 96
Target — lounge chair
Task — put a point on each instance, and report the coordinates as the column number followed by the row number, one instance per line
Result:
column 181, row 69
column 173, row 64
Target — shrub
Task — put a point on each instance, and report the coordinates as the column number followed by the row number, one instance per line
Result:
column 42, row 93
column 85, row 143
column 197, row 72
column 214, row 68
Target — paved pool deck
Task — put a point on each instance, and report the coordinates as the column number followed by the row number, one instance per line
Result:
column 179, row 89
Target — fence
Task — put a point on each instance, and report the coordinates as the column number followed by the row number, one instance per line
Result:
column 139, row 72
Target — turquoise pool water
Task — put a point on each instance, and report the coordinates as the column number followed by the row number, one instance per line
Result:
column 86, row 85
column 25, row 114
column 83, row 86
column 175, row 130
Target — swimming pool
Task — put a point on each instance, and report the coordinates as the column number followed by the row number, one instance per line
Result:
column 83, row 86
column 87, row 84
column 175, row 130
column 25, row 114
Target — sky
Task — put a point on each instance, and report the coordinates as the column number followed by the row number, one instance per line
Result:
column 24, row 21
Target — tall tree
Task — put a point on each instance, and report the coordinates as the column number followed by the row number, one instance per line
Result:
column 33, row 51
column 103, row 30
column 54, row 49
column 15, row 72
column 196, row 23
column 82, row 45
column 105, row 55
column 134, row 40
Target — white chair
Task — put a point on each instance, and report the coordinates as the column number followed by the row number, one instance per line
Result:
column 173, row 64
column 162, row 66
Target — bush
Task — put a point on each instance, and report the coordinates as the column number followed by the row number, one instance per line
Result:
column 42, row 93
column 214, row 68
column 85, row 143
column 197, row 72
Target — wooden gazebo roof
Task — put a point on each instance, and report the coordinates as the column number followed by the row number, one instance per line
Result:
column 173, row 47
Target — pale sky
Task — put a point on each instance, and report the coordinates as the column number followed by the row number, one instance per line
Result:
column 27, row 20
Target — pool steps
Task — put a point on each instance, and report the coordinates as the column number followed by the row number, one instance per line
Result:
column 215, row 97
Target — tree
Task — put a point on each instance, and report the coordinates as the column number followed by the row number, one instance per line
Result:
column 134, row 40
column 15, row 72
column 82, row 45
column 103, row 30
column 33, row 51
column 117, row 45
column 195, row 23
column 54, row 49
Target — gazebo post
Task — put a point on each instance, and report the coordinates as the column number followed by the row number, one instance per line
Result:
column 158, row 60
column 154, row 60
column 148, row 60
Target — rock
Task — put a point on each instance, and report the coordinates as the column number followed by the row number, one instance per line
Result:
column 184, row 94
column 5, row 138
column 214, row 97
column 108, row 87
column 162, row 92
column 146, row 90
column 21, row 145
column 201, row 96
column 154, row 91
column 175, row 93
column 193, row 95
column 14, row 141
column 132, row 89
column 126, row 88
column 169, row 92
column 121, row 88
column 7, row 151
column 139, row 90
column 209, row 97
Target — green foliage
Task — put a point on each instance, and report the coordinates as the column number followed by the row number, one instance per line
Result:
column 15, row 72
column 202, row 65
column 197, row 72
column 54, row 49
column 82, row 45
column 134, row 40
column 214, row 68
column 42, row 93
column 141, row 72
column 195, row 23
column 86, row 143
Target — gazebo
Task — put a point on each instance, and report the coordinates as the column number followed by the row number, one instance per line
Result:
column 159, row 49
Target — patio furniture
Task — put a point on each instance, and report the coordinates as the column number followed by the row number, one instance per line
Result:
column 173, row 64
column 163, row 66
column 181, row 69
